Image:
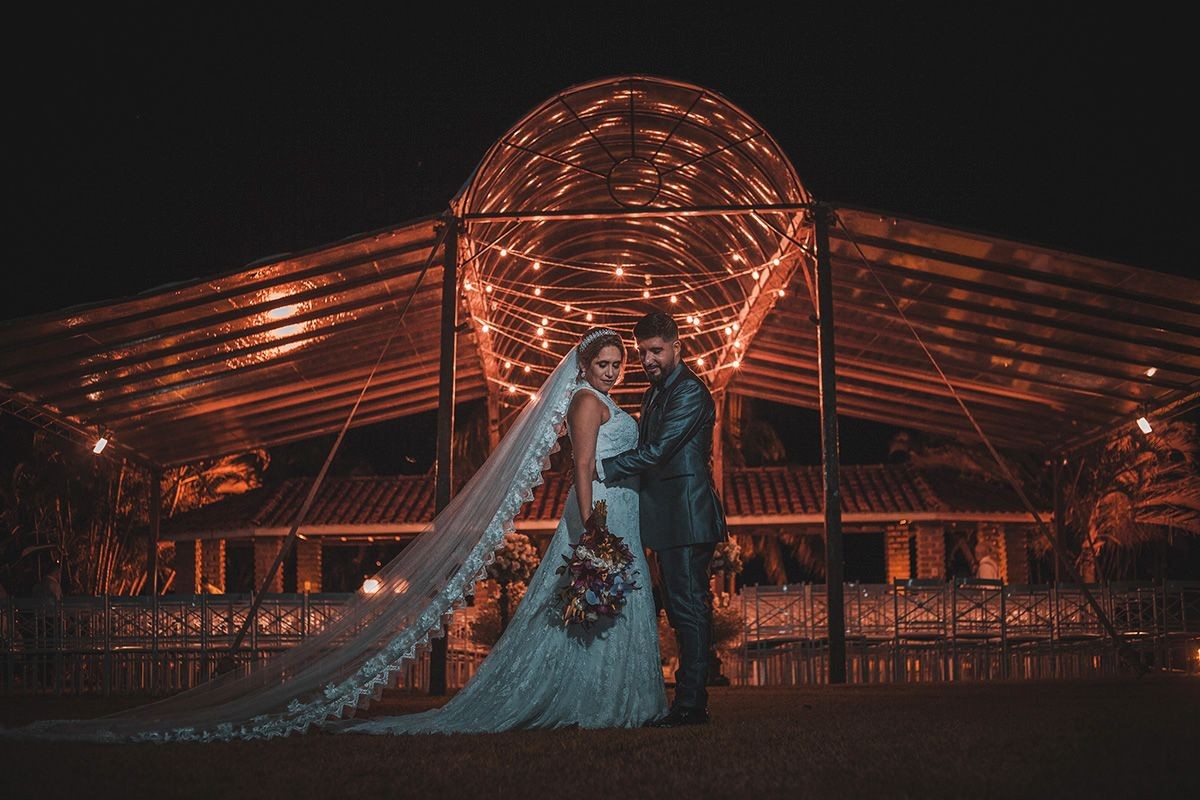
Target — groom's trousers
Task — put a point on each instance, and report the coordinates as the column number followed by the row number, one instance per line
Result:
column 687, row 598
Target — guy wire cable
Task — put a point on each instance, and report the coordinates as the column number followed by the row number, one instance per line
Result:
column 1122, row 647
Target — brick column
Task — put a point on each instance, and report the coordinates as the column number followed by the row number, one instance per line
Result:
column 187, row 567
column 931, row 550
column 1016, row 556
column 212, row 563
column 992, row 534
column 896, row 543
column 308, row 565
column 265, row 550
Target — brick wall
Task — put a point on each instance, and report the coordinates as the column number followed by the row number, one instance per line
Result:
column 308, row 566
column 896, row 541
column 931, row 550
column 212, row 565
column 265, row 550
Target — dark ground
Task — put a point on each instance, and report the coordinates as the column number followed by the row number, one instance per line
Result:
column 1101, row 737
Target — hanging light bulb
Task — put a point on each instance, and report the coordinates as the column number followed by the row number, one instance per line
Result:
column 754, row 274
column 782, row 292
column 775, row 262
column 488, row 288
column 589, row 316
column 1144, row 424
column 370, row 586
column 729, row 330
column 503, row 251
column 737, row 362
column 619, row 272
column 537, row 265
column 545, row 320
column 700, row 360
column 508, row 365
column 526, row 368
column 1150, row 373
column 734, row 326
column 541, row 331
column 467, row 285
column 485, row 327
column 537, row 291
column 567, row 308
column 101, row 443
column 512, row 389
column 674, row 299
column 646, row 293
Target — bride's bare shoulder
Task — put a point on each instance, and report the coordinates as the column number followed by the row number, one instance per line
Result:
column 587, row 403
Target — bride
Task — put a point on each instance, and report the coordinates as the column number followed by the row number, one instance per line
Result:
column 540, row 674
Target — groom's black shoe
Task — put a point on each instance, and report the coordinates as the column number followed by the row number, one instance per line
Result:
column 683, row 716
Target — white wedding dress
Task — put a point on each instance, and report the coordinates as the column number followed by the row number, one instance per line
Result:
column 542, row 674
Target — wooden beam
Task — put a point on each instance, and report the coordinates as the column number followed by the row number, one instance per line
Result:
column 1008, row 268
column 375, row 325
column 209, row 444
column 918, row 365
column 929, row 385
column 850, row 286
column 1010, row 355
column 199, row 338
column 144, row 308
column 1032, row 298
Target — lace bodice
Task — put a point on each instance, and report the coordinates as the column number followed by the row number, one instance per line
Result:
column 617, row 435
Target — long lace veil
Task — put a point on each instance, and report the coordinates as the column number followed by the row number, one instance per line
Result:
column 349, row 662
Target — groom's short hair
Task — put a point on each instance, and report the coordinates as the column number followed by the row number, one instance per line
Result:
column 656, row 323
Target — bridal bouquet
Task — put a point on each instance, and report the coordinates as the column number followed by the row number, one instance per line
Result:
column 598, row 573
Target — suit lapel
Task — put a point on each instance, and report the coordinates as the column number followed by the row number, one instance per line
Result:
column 644, row 417
column 652, row 407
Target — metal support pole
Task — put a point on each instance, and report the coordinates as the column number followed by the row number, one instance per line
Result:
column 445, row 425
column 1060, row 529
column 155, row 528
column 829, row 450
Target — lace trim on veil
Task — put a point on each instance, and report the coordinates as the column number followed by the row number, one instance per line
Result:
column 338, row 700
column 368, row 682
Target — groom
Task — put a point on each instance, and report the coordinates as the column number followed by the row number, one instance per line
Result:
column 681, row 515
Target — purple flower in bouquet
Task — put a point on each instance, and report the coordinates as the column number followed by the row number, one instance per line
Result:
column 598, row 567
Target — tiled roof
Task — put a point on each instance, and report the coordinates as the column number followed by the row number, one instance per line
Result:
column 786, row 491
column 878, row 488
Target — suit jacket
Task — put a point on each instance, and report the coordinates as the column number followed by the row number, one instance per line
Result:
column 678, row 499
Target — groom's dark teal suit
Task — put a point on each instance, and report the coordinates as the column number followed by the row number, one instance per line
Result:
column 681, row 514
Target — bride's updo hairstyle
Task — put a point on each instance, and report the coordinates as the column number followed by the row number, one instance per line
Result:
column 592, row 342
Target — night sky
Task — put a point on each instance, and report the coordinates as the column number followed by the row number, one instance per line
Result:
column 159, row 146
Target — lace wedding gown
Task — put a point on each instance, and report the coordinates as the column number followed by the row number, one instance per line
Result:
column 541, row 674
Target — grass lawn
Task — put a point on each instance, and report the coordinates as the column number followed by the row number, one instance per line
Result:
column 1101, row 737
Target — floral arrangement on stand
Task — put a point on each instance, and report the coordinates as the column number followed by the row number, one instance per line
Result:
column 597, row 571
column 727, row 557
column 516, row 561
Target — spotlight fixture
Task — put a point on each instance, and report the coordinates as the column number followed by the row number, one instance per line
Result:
column 101, row 443
column 1144, row 424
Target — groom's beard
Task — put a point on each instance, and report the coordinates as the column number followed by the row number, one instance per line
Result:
column 663, row 372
